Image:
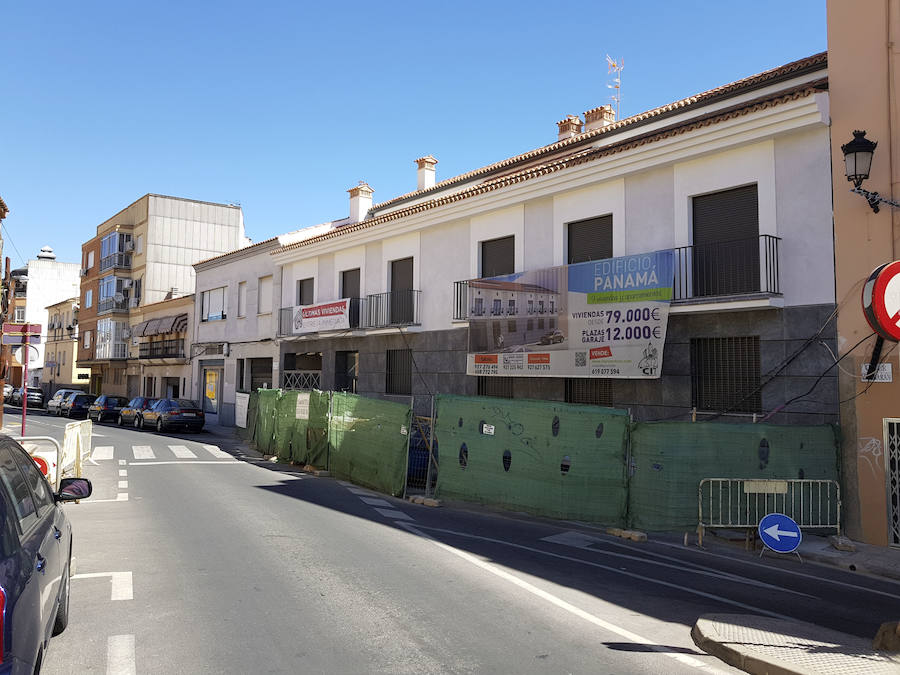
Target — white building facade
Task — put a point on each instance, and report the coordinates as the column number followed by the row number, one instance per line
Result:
column 735, row 181
column 49, row 282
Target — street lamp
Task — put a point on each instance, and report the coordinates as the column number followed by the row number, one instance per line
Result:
column 858, row 155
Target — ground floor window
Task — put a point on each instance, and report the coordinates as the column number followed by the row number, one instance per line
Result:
column 398, row 375
column 501, row 387
column 725, row 374
column 150, row 387
column 589, row 390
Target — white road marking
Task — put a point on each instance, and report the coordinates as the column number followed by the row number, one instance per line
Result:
column 122, row 462
column 102, row 452
column 584, row 542
column 142, row 452
column 617, row 570
column 811, row 577
column 374, row 501
column 123, row 473
column 362, row 491
column 123, row 484
column 121, row 497
column 215, row 451
column 559, row 602
column 345, row 483
column 186, row 461
column 182, row 452
column 120, row 582
column 120, row 655
column 394, row 514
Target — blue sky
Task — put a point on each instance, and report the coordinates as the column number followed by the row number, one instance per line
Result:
column 283, row 106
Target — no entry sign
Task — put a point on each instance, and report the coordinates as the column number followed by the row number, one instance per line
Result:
column 881, row 300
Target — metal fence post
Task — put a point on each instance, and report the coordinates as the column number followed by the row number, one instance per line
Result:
column 430, row 451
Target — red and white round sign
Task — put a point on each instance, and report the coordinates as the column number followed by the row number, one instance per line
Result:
column 881, row 300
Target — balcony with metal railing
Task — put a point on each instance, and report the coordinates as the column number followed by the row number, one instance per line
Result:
column 112, row 305
column 739, row 268
column 111, row 350
column 162, row 349
column 703, row 272
column 394, row 308
column 115, row 260
column 380, row 310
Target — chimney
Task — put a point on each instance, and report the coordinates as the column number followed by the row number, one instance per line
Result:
column 569, row 127
column 425, row 172
column 598, row 118
column 360, row 201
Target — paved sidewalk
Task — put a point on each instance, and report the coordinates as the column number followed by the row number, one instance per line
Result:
column 883, row 561
column 767, row 646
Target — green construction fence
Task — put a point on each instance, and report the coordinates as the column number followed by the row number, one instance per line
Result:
column 356, row 438
column 669, row 459
column 550, row 459
column 369, row 440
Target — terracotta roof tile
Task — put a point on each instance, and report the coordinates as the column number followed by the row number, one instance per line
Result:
column 748, row 83
column 576, row 158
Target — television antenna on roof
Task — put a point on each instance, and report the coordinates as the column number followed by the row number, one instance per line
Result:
column 616, row 66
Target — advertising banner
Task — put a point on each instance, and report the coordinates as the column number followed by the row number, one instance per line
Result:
column 603, row 318
column 325, row 316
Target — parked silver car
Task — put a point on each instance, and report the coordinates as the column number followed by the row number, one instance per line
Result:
column 55, row 402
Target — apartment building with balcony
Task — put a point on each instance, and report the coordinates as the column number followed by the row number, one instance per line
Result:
column 61, row 370
column 159, row 348
column 735, row 182
column 143, row 255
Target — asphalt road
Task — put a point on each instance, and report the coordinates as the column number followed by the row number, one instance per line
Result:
column 193, row 559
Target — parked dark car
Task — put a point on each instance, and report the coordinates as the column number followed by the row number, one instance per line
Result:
column 106, row 406
column 133, row 413
column 552, row 337
column 35, row 558
column 174, row 413
column 35, row 396
column 55, row 402
column 76, row 405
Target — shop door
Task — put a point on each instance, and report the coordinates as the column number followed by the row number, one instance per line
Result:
column 212, row 380
column 892, row 474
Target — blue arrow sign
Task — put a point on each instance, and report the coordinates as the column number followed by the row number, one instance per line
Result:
column 780, row 533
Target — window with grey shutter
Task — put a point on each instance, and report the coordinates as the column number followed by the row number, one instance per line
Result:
column 590, row 239
column 305, row 288
column 498, row 257
column 501, row 387
column 350, row 289
column 726, row 242
column 398, row 378
column 402, row 291
column 725, row 374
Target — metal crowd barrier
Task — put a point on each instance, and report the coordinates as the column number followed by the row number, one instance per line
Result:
column 740, row 503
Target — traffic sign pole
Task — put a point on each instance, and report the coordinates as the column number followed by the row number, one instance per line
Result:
column 25, row 383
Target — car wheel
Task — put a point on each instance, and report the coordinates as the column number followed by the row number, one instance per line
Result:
column 120, row 421
column 62, row 614
column 159, row 425
column 136, row 422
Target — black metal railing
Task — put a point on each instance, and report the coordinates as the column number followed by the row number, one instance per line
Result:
column 115, row 260
column 112, row 305
column 739, row 267
column 395, row 308
column 286, row 317
column 163, row 349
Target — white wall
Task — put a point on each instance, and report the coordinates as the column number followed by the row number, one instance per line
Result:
column 49, row 282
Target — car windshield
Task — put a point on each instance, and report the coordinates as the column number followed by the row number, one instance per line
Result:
column 84, row 398
column 184, row 403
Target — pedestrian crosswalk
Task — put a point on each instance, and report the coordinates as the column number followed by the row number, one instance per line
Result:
column 146, row 452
